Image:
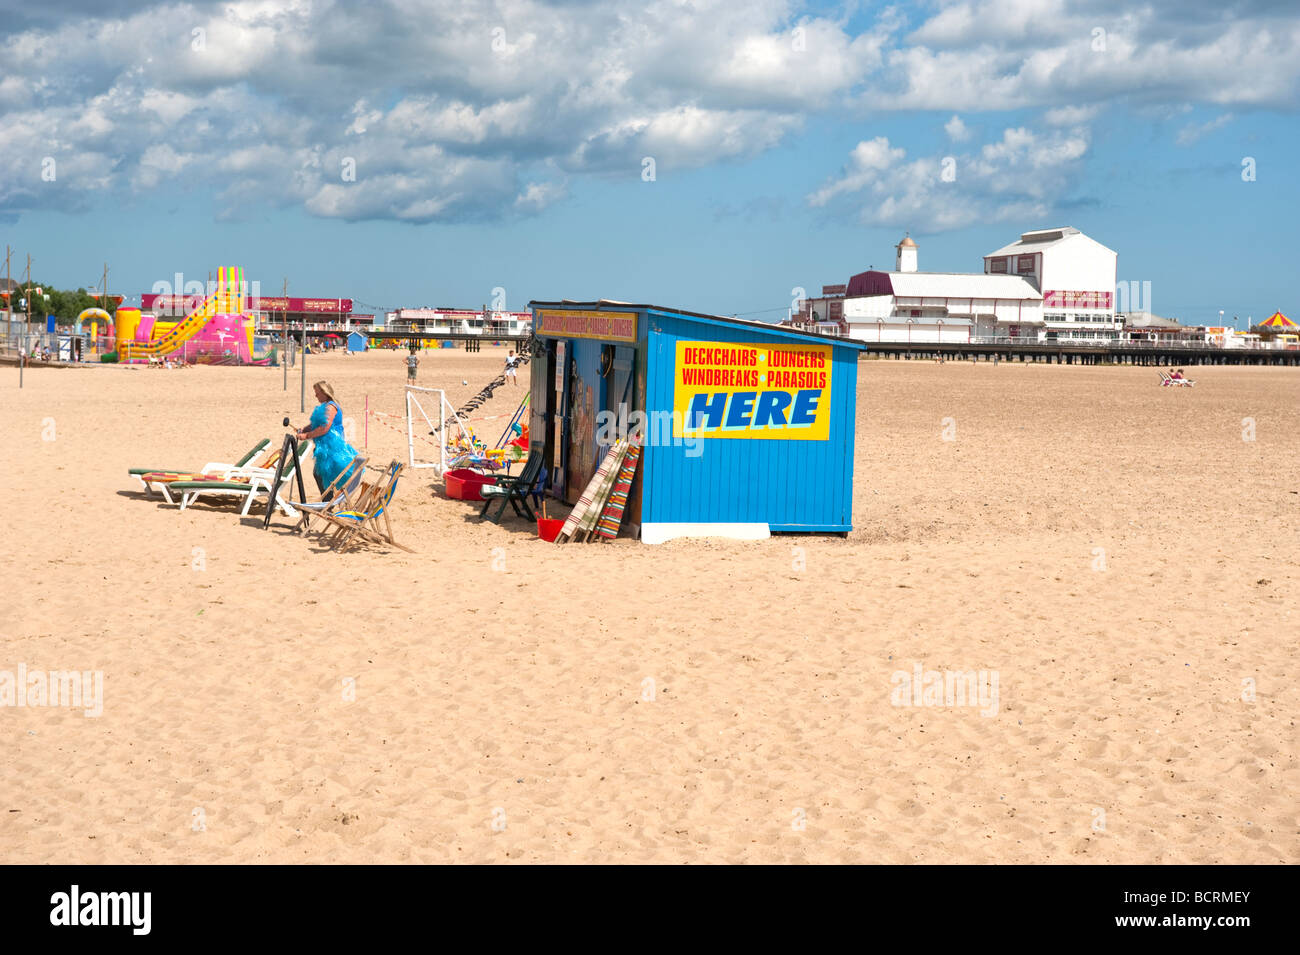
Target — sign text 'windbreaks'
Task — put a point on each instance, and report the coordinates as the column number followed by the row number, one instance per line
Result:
column 771, row 392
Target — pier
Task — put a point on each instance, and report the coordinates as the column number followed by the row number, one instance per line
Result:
column 1158, row 355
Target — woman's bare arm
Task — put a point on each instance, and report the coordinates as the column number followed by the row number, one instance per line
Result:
column 330, row 413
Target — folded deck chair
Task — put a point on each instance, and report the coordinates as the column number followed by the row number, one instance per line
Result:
column 212, row 467
column 245, row 483
column 513, row 491
column 340, row 495
column 362, row 522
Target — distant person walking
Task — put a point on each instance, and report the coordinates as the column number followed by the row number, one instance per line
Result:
column 412, row 362
column 512, row 362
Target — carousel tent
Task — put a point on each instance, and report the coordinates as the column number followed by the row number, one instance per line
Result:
column 1277, row 320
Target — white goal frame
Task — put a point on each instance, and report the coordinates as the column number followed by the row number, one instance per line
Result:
column 446, row 412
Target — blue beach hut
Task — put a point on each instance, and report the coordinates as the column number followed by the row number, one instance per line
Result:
column 356, row 342
column 747, row 427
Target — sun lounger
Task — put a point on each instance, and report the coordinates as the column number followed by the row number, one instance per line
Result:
column 513, row 491
column 212, row 467
column 246, row 483
column 262, row 467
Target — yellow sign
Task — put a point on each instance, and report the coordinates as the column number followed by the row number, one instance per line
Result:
column 772, row 392
column 607, row 326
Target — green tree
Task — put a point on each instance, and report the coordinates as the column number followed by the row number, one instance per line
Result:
column 64, row 305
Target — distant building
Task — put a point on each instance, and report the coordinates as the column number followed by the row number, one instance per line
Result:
column 908, row 305
column 269, row 311
column 1050, row 284
column 1076, row 275
column 1148, row 327
column 461, row 321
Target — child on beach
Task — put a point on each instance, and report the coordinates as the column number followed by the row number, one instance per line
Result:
column 511, row 362
column 412, row 360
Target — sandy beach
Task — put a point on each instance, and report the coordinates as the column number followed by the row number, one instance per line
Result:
column 1123, row 559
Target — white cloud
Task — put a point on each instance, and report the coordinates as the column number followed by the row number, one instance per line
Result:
column 536, row 196
column 868, row 162
column 1194, row 131
column 1071, row 115
column 1014, row 178
column 264, row 103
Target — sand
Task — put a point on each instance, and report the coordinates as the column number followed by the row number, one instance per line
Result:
column 1116, row 552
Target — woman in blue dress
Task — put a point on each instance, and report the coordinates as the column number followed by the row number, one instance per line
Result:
column 333, row 454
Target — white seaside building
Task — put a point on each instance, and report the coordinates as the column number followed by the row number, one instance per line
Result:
column 1076, row 275
column 1006, row 301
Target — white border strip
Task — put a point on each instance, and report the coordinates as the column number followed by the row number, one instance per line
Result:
column 658, row 533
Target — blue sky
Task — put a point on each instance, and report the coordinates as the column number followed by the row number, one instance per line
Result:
column 503, row 145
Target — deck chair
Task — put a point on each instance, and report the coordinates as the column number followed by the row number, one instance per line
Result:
column 339, row 496
column 513, row 491
column 246, row 483
column 212, row 467
column 361, row 522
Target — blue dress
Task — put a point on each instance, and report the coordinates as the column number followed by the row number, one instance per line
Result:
column 333, row 453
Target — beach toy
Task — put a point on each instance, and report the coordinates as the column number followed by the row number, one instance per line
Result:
column 548, row 528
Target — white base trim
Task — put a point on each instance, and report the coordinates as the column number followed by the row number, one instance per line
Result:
column 658, row 533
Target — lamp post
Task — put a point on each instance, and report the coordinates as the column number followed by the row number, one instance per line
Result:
column 880, row 329
column 939, row 322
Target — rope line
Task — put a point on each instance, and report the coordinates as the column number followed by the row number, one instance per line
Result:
column 477, row 401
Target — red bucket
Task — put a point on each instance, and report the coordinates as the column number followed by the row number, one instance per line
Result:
column 548, row 528
column 463, row 484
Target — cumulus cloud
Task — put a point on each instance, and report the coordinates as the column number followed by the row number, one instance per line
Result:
column 1071, row 115
column 447, row 111
column 1014, row 178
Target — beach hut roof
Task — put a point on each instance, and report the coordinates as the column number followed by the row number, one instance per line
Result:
column 1277, row 320
column 785, row 331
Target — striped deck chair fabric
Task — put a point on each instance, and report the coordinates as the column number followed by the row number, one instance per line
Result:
column 611, row 517
column 585, row 513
